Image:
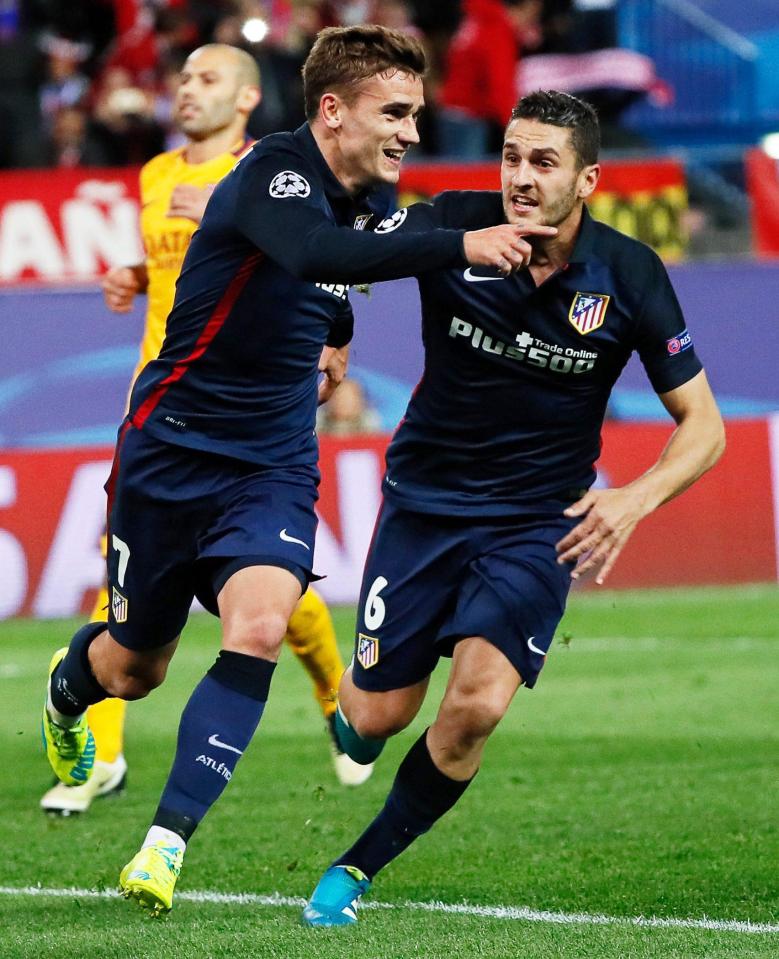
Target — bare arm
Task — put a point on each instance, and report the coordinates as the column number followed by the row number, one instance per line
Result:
column 609, row 516
column 121, row 284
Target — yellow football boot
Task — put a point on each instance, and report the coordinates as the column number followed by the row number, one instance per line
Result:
column 70, row 749
column 150, row 877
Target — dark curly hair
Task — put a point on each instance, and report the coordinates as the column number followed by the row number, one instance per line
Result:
column 563, row 110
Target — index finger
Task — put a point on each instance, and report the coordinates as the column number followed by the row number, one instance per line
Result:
column 535, row 229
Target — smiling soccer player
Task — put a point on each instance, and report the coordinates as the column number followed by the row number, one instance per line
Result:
column 215, row 474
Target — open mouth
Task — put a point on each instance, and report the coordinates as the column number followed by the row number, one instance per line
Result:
column 395, row 156
column 523, row 204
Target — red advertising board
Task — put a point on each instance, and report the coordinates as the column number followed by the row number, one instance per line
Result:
column 69, row 226
column 720, row 531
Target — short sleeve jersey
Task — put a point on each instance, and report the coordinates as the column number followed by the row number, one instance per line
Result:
column 166, row 239
column 517, row 377
column 264, row 287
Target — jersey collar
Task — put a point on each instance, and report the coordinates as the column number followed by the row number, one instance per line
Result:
column 585, row 241
column 379, row 200
column 333, row 187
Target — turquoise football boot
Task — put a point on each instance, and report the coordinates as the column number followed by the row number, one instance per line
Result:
column 334, row 901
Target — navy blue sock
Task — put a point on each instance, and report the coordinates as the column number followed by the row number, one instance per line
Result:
column 420, row 795
column 73, row 684
column 216, row 726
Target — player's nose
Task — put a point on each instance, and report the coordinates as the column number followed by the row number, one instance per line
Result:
column 408, row 132
column 521, row 174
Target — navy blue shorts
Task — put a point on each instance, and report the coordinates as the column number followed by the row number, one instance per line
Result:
column 432, row 580
column 182, row 521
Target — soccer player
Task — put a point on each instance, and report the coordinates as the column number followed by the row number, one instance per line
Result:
column 219, row 88
column 488, row 512
column 214, row 480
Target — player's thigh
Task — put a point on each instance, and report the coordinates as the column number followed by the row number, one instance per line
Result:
column 377, row 715
column 255, row 605
column 515, row 592
column 265, row 519
column 152, row 545
column 409, row 587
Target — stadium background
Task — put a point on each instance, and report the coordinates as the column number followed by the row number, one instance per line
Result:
column 626, row 801
column 689, row 104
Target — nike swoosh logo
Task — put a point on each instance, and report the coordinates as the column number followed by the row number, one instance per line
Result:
column 284, row 535
column 475, row 278
column 214, row 740
column 533, row 648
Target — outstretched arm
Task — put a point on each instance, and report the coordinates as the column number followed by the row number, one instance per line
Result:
column 609, row 516
column 282, row 208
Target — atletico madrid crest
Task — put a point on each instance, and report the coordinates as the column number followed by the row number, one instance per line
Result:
column 119, row 606
column 588, row 311
column 367, row 650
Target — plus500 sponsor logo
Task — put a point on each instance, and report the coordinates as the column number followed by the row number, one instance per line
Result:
column 526, row 349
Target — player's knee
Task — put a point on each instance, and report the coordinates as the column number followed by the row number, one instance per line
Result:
column 130, row 686
column 258, row 635
column 371, row 723
column 301, row 644
column 472, row 713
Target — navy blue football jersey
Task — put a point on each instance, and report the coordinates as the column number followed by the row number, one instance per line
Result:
column 509, row 409
column 263, row 288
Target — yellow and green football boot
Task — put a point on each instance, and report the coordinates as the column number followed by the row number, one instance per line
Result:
column 150, row 877
column 69, row 749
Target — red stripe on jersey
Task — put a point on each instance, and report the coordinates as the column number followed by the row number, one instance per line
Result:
column 212, row 327
column 110, row 486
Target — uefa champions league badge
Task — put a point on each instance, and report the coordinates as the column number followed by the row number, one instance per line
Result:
column 588, row 311
column 392, row 222
column 288, row 183
column 367, row 650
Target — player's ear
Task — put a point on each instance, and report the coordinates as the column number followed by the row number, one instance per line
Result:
column 248, row 98
column 588, row 180
column 330, row 109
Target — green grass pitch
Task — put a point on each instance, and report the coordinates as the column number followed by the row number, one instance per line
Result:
column 639, row 779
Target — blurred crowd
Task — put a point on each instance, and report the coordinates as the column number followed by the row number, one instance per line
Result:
column 91, row 82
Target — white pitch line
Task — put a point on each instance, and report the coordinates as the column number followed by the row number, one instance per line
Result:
column 522, row 913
